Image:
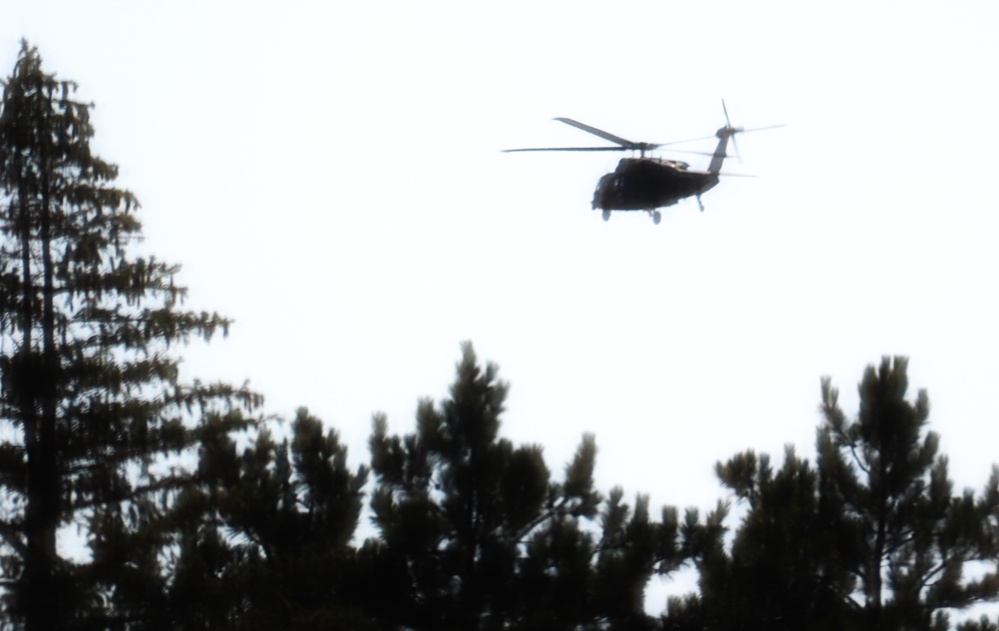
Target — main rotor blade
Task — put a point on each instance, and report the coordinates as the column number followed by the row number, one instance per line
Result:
column 680, row 142
column 742, row 131
column 567, row 149
column 598, row 132
column 697, row 153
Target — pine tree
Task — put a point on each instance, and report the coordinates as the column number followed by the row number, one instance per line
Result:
column 982, row 624
column 783, row 570
column 872, row 537
column 288, row 512
column 915, row 535
column 476, row 535
column 92, row 408
column 702, row 542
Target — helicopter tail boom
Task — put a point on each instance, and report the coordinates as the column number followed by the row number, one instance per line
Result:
column 723, row 134
column 718, row 157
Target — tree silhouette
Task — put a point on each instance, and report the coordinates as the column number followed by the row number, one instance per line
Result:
column 916, row 536
column 982, row 624
column 872, row 537
column 784, row 567
column 476, row 535
column 91, row 404
column 266, row 535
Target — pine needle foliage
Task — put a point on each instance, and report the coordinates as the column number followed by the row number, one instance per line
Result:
column 475, row 534
column 871, row 537
column 917, row 537
column 266, row 534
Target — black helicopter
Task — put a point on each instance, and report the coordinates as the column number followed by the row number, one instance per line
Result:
column 649, row 183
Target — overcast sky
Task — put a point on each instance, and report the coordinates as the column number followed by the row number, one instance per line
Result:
column 330, row 176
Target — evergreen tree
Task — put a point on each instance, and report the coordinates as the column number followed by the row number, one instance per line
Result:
column 632, row 548
column 873, row 537
column 702, row 542
column 266, row 535
column 783, row 570
column 92, row 408
column 476, row 535
column 915, row 535
column 982, row 624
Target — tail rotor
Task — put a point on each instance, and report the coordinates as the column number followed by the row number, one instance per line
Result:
column 730, row 131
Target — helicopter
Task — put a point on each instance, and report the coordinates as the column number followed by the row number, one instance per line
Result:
column 648, row 183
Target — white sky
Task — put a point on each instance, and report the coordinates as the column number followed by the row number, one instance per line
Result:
column 329, row 175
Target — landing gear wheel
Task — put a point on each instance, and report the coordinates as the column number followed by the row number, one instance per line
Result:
column 656, row 217
column 606, row 215
column 699, row 203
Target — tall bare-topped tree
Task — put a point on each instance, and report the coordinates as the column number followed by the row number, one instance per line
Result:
column 91, row 402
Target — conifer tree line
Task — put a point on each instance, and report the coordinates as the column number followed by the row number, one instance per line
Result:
column 197, row 511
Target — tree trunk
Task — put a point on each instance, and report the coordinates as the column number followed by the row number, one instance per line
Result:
column 41, row 597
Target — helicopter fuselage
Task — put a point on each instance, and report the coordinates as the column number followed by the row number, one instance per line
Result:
column 649, row 183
